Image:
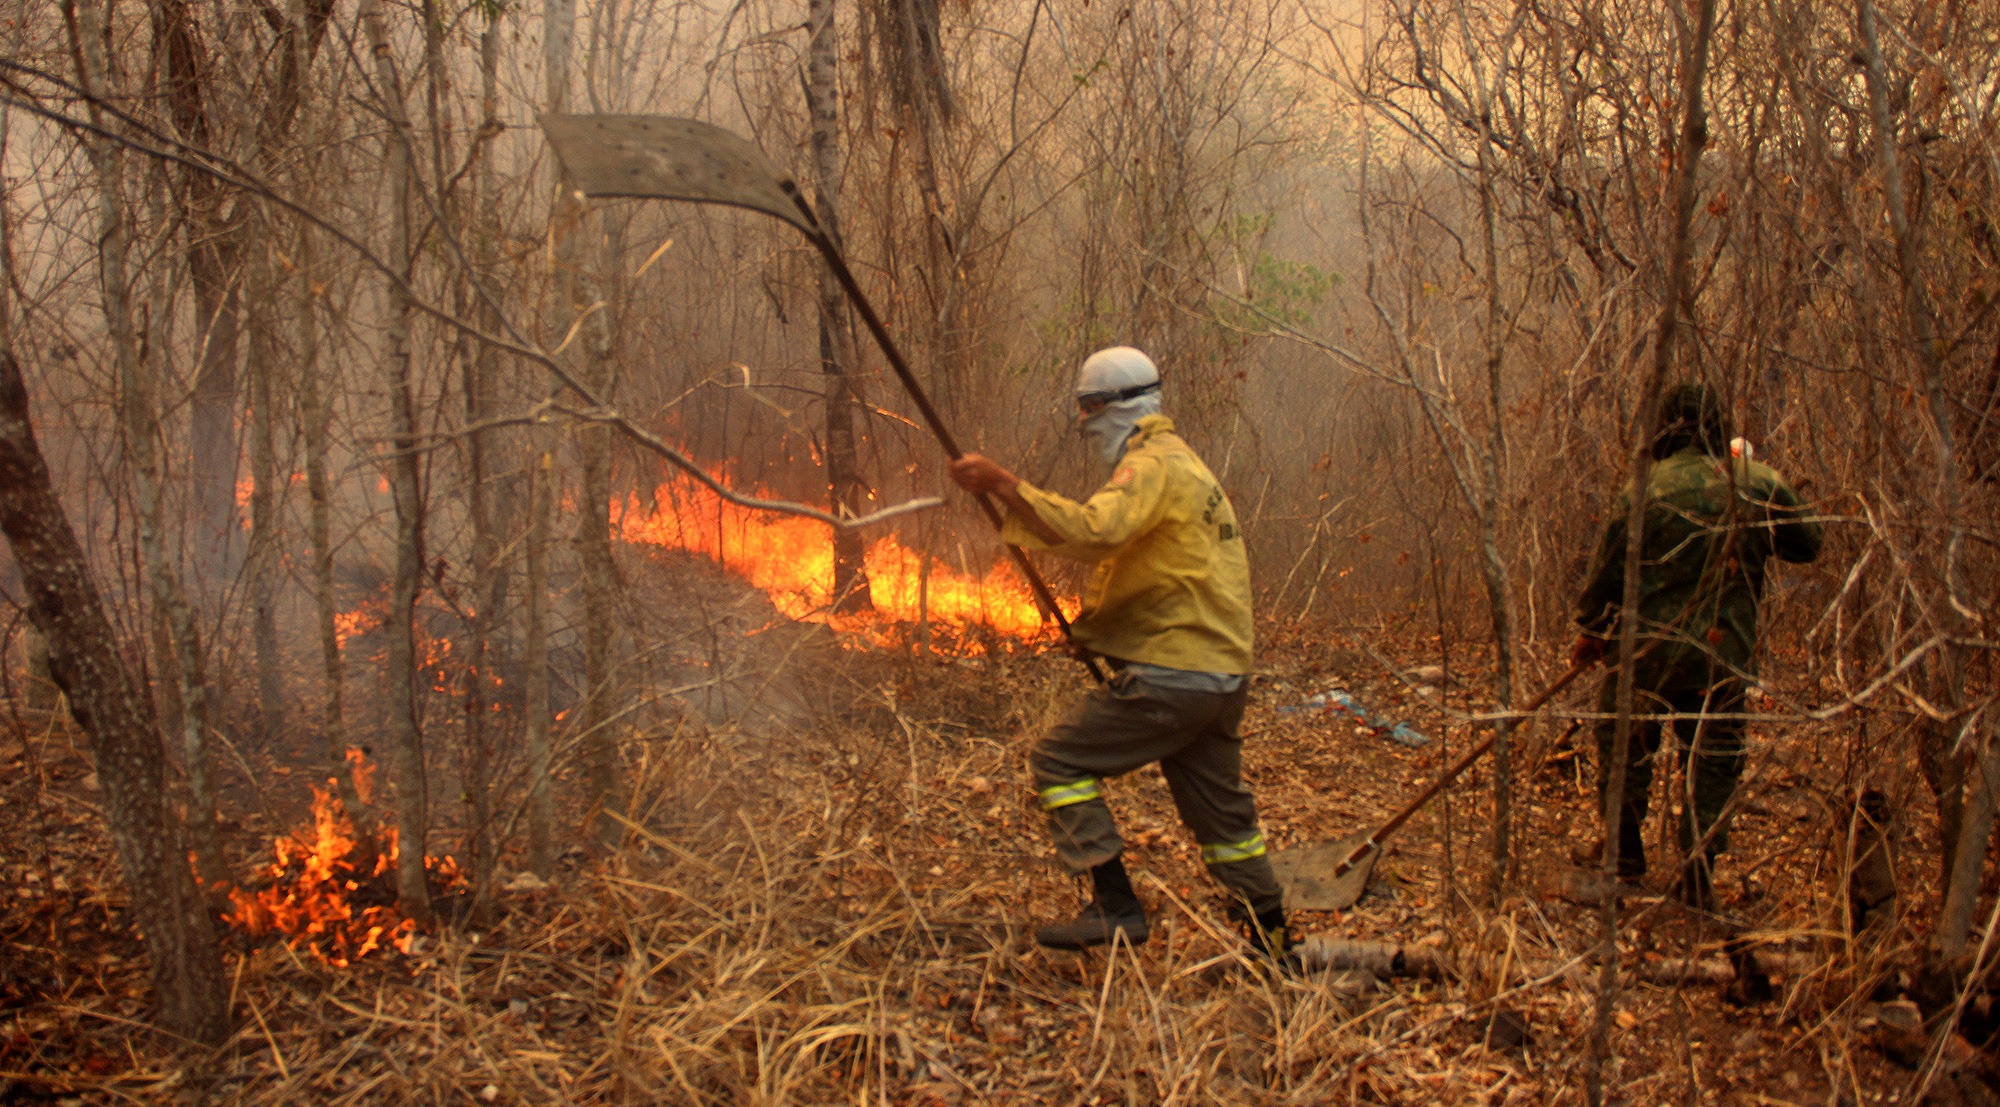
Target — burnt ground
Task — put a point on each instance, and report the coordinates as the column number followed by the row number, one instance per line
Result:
column 836, row 861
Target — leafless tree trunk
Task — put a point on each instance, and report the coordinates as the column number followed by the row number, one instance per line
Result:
column 593, row 541
column 214, row 275
column 1477, row 458
column 850, row 570
column 558, row 29
column 902, row 49
column 1968, row 838
column 266, row 536
column 489, row 577
column 301, row 28
column 316, row 415
column 535, row 664
column 1968, row 857
column 1687, row 162
column 110, row 707
column 405, row 485
column 575, row 295
column 139, row 419
column 1493, row 462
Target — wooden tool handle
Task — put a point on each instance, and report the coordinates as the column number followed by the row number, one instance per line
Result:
column 1043, row 596
column 1464, row 762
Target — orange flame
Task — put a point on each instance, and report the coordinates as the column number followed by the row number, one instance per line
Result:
column 791, row 559
column 246, row 489
column 436, row 662
column 347, row 624
column 328, row 894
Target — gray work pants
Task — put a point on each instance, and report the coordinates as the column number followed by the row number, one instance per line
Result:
column 1130, row 723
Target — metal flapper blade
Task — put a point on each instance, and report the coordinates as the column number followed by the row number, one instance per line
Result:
column 669, row 158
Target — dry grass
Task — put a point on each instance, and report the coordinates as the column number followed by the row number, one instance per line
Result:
column 834, row 911
column 782, row 950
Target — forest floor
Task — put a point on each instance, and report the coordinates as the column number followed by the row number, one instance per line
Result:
column 833, row 906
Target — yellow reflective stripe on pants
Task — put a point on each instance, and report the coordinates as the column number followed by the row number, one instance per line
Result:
column 1062, row 795
column 1226, row 852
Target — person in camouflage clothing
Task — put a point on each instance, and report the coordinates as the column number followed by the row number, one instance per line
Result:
column 1711, row 525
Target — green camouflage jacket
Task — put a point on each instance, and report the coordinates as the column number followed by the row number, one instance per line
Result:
column 1703, row 559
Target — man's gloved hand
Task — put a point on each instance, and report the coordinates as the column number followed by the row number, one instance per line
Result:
column 979, row 475
column 982, row 476
column 1588, row 650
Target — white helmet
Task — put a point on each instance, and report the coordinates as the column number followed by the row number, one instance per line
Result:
column 1117, row 373
column 1114, row 390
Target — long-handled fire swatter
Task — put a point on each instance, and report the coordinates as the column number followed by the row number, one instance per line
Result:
column 664, row 157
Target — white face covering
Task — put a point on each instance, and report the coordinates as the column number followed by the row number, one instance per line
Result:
column 1108, row 430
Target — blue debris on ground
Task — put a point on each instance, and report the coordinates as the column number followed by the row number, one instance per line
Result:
column 1339, row 702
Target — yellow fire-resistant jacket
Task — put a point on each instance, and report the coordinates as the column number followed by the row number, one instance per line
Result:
column 1172, row 586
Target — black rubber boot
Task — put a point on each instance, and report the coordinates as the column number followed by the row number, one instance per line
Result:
column 1269, row 935
column 1113, row 911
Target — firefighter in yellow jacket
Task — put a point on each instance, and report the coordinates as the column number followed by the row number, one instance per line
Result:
column 1168, row 607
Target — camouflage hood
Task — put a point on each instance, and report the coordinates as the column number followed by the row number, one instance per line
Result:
column 1690, row 415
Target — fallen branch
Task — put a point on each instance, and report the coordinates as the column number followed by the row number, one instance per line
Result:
column 1384, row 959
column 1722, row 970
column 1387, row 959
column 612, row 418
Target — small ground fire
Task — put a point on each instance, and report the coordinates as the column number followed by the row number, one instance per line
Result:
column 331, row 892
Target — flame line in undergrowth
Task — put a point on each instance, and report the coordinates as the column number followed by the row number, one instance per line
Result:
column 791, row 560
